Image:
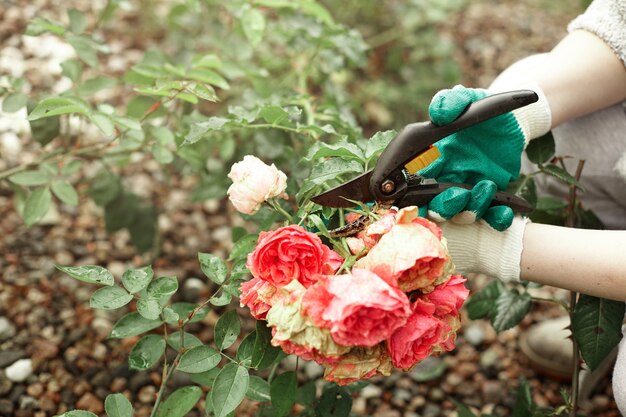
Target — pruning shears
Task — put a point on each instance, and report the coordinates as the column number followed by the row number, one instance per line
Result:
column 393, row 181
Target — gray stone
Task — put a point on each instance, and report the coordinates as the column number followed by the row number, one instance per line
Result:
column 5, row 384
column 490, row 359
column 6, row 407
column 192, row 288
column 312, row 370
column 7, row 329
column 371, row 391
column 431, row 410
column 7, row 357
column 28, row 403
column 474, row 334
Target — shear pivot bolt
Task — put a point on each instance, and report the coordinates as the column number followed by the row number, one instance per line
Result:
column 388, row 186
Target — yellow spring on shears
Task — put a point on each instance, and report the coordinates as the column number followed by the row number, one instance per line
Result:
column 422, row 160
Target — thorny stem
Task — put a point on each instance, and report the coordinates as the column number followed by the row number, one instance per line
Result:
column 569, row 222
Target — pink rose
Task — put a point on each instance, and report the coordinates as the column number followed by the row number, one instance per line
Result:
column 360, row 309
column 366, row 239
column 449, row 296
column 409, row 256
column 416, row 340
column 296, row 333
column 253, row 183
column 360, row 363
column 291, row 253
column 257, row 295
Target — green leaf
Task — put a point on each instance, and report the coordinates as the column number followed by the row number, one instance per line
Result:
column 541, row 150
column 210, row 77
column 184, row 309
column 93, row 274
column 104, row 123
column 121, row 211
column 180, row 402
column 132, row 324
column 149, row 308
column 206, row 378
column 332, row 168
column 189, row 341
column 45, row 130
column 263, row 353
column 136, row 279
column 86, row 49
column 78, row 22
column 71, row 167
column 162, row 154
column 462, row 409
column 54, row 106
column 170, row 316
column 258, row 389
column 482, row 303
column 229, row 389
column 307, row 393
column 244, row 351
column 77, row 413
column 227, row 329
column 523, row 402
column 146, row 352
column 30, row 178
column 72, row 69
column 198, row 130
column 36, row 205
column 39, row 26
column 199, row 359
column 143, row 229
column 511, row 308
column 561, row 174
column 213, row 267
column 207, row 61
column 253, row 23
column 162, row 287
column 110, row 298
column 65, row 192
column 243, row 247
column 377, row 143
column 13, row 102
column 104, row 187
column 342, row 149
column 597, row 327
column 315, row 9
column 117, row 405
column 274, row 114
column 283, row 393
column 335, row 401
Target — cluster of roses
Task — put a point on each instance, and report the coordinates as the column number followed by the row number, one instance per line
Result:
column 398, row 304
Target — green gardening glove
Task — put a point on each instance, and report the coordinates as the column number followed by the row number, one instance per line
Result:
column 490, row 150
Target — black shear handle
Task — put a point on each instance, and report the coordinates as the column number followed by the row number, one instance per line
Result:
column 416, row 138
column 421, row 195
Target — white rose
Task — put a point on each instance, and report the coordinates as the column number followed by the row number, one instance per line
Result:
column 253, row 183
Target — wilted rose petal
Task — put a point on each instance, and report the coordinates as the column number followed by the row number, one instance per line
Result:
column 408, row 256
column 360, row 309
column 257, row 295
column 415, row 341
column 358, row 364
column 291, row 253
column 253, row 183
column 449, row 296
column 296, row 333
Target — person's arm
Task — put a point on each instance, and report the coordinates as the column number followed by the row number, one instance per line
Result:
column 582, row 74
column 587, row 261
column 591, row 262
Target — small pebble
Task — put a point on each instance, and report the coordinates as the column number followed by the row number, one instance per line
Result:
column 146, row 394
column 90, row 402
column 20, row 370
column 7, row 329
column 371, row 391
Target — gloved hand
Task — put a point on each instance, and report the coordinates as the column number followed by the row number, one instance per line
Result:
column 478, row 248
column 488, row 151
column 467, row 206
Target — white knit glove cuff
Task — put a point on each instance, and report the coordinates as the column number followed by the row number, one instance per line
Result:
column 535, row 120
column 479, row 248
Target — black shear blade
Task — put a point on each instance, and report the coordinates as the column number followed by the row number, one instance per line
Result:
column 344, row 195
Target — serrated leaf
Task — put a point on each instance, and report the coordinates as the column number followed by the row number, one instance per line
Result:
column 54, row 106
column 229, row 389
column 253, row 23
column 132, row 324
column 258, row 389
column 198, row 130
column 146, row 352
column 110, row 298
column 14, row 102
column 149, row 308
column 227, row 329
column 65, row 192
column 136, row 279
column 243, row 247
column 283, row 393
column 483, row 302
column 541, row 150
column 263, row 353
column 208, row 76
column 86, row 49
column 597, row 327
column 30, row 178
column 188, row 340
column 199, row 359
column 377, row 143
column 39, row 25
column 162, row 287
column 333, row 168
column 93, row 274
column 343, row 149
column 523, row 402
column 273, row 114
column 213, row 267
column 561, row 174
column 180, row 402
column 117, row 405
column 511, row 308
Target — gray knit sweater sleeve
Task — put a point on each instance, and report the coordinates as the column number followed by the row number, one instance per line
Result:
column 606, row 19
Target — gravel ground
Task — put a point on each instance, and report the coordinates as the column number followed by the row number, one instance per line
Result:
column 54, row 351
